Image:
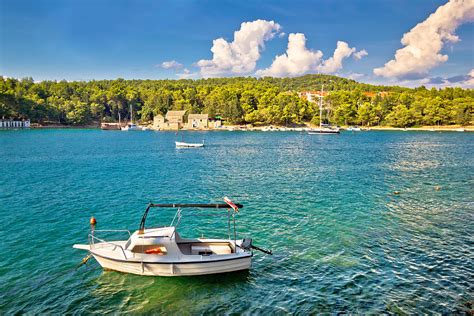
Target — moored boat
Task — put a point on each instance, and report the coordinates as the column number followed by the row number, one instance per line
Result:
column 324, row 130
column 110, row 126
column 163, row 252
column 353, row 129
column 189, row 145
column 131, row 127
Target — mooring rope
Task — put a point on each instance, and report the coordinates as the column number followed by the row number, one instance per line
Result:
column 64, row 273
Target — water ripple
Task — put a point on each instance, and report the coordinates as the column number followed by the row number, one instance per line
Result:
column 342, row 240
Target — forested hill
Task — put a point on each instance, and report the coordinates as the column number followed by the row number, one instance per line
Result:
column 238, row 100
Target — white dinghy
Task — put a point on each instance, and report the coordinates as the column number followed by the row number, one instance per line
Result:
column 163, row 252
column 188, row 145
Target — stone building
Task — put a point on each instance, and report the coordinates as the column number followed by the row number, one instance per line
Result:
column 198, row 121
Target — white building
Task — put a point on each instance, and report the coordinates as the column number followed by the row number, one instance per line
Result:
column 312, row 96
column 9, row 123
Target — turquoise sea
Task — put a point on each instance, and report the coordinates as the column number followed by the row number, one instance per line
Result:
column 342, row 240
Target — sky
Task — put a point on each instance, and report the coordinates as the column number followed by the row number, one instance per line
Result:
column 402, row 42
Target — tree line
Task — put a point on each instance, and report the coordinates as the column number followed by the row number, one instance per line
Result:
column 238, row 100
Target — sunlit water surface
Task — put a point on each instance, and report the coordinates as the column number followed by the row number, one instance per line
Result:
column 342, row 241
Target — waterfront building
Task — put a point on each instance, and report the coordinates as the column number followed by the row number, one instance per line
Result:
column 198, row 121
column 175, row 119
column 215, row 123
column 10, row 123
column 159, row 122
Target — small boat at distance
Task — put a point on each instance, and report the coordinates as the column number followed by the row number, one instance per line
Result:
column 162, row 251
column 189, row 145
column 324, row 130
column 353, row 129
column 131, row 126
column 110, row 126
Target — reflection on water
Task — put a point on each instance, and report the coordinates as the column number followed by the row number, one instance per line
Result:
column 342, row 241
column 146, row 294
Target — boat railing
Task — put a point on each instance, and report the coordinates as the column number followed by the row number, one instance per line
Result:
column 114, row 231
column 92, row 239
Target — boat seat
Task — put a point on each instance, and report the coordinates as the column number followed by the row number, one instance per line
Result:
column 150, row 249
column 210, row 249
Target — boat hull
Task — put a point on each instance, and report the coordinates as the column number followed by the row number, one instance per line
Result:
column 188, row 145
column 110, row 126
column 323, row 132
column 131, row 129
column 174, row 269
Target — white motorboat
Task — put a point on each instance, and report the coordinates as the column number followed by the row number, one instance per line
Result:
column 163, row 252
column 353, row 129
column 188, row 145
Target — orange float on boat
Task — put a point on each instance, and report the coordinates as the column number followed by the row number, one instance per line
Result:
column 154, row 251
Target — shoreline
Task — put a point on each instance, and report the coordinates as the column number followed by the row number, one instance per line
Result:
column 449, row 128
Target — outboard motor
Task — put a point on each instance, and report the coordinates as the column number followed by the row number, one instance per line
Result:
column 247, row 245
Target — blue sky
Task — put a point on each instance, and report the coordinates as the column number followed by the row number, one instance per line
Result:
column 84, row 40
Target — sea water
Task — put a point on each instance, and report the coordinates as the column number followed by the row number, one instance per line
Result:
column 342, row 240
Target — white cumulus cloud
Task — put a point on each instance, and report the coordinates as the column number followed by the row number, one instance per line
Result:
column 358, row 55
column 299, row 60
column 470, row 80
column 424, row 42
column 187, row 74
column 341, row 52
column 171, row 64
column 241, row 55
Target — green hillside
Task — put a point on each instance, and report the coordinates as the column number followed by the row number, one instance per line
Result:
column 238, row 100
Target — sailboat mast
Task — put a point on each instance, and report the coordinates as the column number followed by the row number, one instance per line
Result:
column 321, row 108
column 131, row 114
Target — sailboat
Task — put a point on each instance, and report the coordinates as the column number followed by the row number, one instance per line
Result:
column 131, row 126
column 322, row 129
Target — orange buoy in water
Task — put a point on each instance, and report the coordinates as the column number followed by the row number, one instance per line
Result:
column 396, row 192
column 93, row 221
